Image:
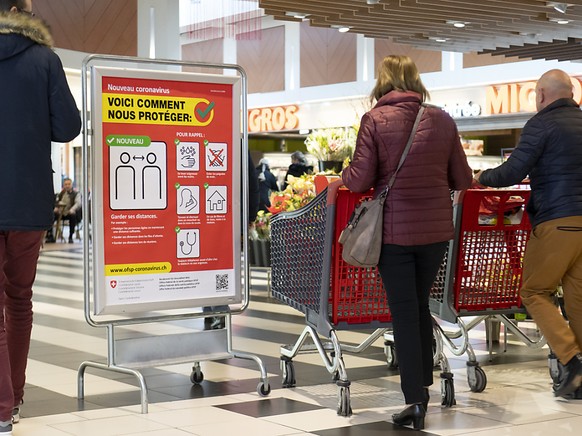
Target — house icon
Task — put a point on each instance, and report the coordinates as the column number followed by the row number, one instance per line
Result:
column 216, row 202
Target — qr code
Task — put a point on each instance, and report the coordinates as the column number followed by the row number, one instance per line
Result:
column 221, row 282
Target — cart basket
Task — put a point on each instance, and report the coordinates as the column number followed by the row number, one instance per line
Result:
column 483, row 274
column 309, row 274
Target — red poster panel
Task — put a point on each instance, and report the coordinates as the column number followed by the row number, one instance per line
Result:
column 167, row 172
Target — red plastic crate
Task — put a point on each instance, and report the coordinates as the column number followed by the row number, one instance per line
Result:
column 489, row 266
column 357, row 295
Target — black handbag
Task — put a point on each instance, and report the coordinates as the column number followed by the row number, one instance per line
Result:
column 362, row 237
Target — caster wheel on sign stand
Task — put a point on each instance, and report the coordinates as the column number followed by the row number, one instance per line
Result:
column 196, row 376
column 263, row 389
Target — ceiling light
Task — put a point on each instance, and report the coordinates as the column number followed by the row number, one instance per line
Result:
column 372, row 2
column 298, row 15
column 560, row 7
column 341, row 28
column 458, row 24
column 438, row 38
column 559, row 20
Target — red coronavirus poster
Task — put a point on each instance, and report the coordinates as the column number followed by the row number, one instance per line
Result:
column 167, row 182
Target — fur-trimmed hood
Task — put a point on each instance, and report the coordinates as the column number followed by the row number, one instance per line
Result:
column 19, row 31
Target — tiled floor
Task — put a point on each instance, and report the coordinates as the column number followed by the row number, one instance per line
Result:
column 517, row 400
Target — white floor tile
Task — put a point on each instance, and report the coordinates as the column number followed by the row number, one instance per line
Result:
column 563, row 427
column 165, row 432
column 315, row 420
column 255, row 427
column 121, row 425
column 194, row 416
column 451, row 422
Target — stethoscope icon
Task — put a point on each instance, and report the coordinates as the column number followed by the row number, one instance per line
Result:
column 189, row 244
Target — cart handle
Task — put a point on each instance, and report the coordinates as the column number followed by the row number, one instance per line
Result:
column 332, row 189
column 458, row 197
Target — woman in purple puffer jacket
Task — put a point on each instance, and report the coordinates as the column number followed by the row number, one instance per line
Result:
column 418, row 216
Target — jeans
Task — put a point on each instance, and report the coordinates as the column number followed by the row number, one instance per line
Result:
column 554, row 255
column 408, row 273
column 18, row 258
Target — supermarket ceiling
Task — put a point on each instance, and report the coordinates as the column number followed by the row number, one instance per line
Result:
column 529, row 29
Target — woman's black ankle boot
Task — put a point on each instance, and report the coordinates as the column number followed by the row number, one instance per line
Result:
column 413, row 414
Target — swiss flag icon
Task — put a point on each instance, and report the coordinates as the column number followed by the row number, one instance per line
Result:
column 113, row 283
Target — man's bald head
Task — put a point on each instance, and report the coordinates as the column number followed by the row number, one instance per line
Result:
column 553, row 85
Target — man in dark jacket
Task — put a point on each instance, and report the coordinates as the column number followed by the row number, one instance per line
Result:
column 550, row 151
column 267, row 184
column 37, row 108
column 298, row 167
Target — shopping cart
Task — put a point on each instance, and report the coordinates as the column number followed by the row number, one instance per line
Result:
column 308, row 274
column 482, row 271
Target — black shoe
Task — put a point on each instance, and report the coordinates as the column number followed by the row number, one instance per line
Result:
column 50, row 239
column 572, row 377
column 576, row 395
column 413, row 414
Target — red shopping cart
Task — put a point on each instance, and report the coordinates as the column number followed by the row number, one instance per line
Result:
column 482, row 271
column 308, row 274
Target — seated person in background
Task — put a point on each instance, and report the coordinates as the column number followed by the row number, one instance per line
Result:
column 298, row 167
column 67, row 206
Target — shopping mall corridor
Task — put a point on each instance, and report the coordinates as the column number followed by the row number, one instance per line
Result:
column 517, row 400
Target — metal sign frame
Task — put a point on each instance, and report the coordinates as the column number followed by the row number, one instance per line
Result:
column 141, row 351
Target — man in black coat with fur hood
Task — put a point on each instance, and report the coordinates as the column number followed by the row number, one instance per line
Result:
column 37, row 107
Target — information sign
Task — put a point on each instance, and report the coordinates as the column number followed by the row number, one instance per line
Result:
column 166, row 190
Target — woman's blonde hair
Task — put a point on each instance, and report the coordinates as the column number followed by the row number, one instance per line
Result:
column 398, row 72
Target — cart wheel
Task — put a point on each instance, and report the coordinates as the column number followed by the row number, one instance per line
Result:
column 344, row 406
column 476, row 378
column 196, row 377
column 288, row 374
column 448, row 393
column 391, row 358
column 263, row 389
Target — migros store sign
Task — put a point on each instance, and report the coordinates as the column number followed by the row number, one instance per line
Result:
column 509, row 98
column 518, row 97
column 269, row 119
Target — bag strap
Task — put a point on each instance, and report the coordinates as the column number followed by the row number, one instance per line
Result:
column 406, row 149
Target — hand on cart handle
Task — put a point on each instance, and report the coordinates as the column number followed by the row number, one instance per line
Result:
column 476, row 178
